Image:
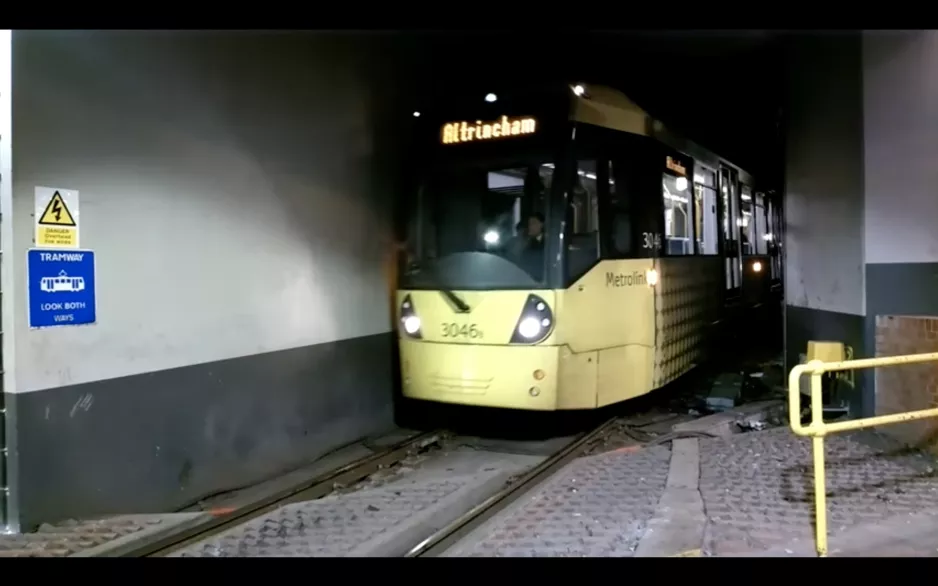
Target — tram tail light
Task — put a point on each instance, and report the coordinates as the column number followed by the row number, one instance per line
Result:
column 536, row 322
column 410, row 322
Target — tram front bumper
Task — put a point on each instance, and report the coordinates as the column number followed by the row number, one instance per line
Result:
column 512, row 377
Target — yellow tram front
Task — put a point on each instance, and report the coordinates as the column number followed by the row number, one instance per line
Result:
column 558, row 255
column 477, row 303
column 501, row 352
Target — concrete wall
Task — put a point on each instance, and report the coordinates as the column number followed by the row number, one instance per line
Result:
column 860, row 196
column 230, row 187
column 900, row 94
column 824, row 278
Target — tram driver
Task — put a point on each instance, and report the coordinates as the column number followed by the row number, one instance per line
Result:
column 532, row 256
column 535, row 230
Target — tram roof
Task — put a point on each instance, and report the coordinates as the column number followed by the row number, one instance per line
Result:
column 610, row 108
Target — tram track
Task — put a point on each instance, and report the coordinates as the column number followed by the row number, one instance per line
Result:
column 311, row 489
column 444, row 538
column 358, row 473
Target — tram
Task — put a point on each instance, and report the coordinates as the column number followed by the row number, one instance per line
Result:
column 566, row 251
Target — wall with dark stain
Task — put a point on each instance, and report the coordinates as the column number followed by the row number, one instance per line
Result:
column 824, row 205
column 233, row 187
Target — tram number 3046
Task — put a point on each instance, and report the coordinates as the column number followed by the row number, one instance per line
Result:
column 651, row 240
column 455, row 330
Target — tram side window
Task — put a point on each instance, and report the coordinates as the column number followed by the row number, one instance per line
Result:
column 583, row 219
column 771, row 240
column 705, row 212
column 621, row 214
column 678, row 229
column 773, row 226
column 747, row 222
column 762, row 244
column 769, row 223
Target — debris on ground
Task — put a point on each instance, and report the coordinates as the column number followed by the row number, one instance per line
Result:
column 749, row 382
column 756, row 416
column 725, row 392
column 773, row 376
column 621, row 435
column 389, row 473
column 752, row 425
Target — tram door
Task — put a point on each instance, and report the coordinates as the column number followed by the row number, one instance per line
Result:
column 729, row 217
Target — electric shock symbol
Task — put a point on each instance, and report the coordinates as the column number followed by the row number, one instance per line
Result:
column 62, row 283
column 57, row 213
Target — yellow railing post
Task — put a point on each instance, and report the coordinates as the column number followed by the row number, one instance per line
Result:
column 817, row 446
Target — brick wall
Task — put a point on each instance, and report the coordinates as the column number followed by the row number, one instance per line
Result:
column 908, row 387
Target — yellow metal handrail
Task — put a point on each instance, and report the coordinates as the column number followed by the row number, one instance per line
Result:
column 817, row 429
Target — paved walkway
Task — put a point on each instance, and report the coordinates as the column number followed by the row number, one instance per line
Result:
column 741, row 495
column 746, row 494
column 758, row 487
column 913, row 535
column 596, row 506
column 94, row 537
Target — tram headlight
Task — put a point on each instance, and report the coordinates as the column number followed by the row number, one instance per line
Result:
column 529, row 327
column 410, row 322
column 757, row 267
column 651, row 277
column 536, row 322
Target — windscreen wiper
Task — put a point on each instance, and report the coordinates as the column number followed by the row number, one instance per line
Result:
column 461, row 306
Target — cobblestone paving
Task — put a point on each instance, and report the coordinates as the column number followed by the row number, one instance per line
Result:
column 70, row 537
column 758, row 492
column 596, row 506
column 329, row 527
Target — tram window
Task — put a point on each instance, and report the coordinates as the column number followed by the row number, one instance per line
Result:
column 762, row 233
column 583, row 220
column 731, row 220
column 770, row 223
column 747, row 224
column 705, row 212
column 678, row 229
column 497, row 210
column 621, row 223
column 771, row 236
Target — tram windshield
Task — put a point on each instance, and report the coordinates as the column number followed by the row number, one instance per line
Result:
column 481, row 227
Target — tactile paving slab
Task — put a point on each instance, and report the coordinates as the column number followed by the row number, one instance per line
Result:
column 595, row 506
column 758, row 488
column 71, row 537
column 333, row 526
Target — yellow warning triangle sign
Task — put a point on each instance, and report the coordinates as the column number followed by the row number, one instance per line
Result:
column 56, row 213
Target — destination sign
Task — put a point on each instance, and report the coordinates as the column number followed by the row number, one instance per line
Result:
column 675, row 166
column 459, row 132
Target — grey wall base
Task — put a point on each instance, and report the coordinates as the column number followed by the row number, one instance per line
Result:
column 160, row 441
